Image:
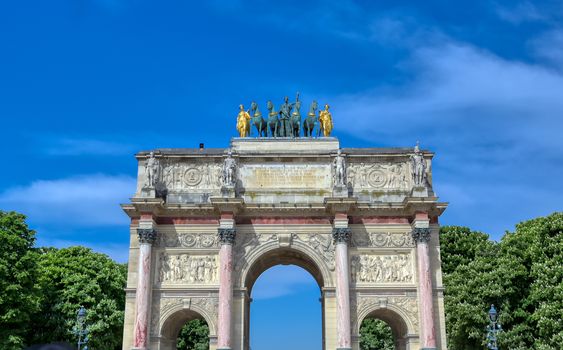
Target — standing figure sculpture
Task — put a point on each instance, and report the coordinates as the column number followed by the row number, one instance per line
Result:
column 418, row 167
column 258, row 121
column 285, row 115
column 295, row 121
column 229, row 170
column 339, row 170
column 325, row 121
column 151, row 170
column 309, row 123
column 273, row 121
column 243, row 122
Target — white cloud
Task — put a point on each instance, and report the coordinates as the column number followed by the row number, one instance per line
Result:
column 460, row 91
column 281, row 280
column 549, row 47
column 523, row 11
column 80, row 201
column 494, row 123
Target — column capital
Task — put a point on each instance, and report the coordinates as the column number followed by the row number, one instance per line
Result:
column 147, row 235
column 227, row 235
column 421, row 234
column 341, row 234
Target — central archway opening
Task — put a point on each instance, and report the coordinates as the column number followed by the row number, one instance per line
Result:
column 285, row 308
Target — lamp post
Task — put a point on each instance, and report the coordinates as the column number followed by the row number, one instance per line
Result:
column 81, row 330
column 493, row 329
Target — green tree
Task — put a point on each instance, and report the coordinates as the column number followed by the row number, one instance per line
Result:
column 468, row 262
column 18, row 272
column 376, row 335
column 522, row 275
column 194, row 335
column 76, row 276
column 532, row 314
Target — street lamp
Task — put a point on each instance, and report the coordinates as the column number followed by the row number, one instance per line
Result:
column 493, row 329
column 81, row 329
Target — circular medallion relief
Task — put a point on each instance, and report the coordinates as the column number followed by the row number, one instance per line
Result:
column 377, row 178
column 192, row 177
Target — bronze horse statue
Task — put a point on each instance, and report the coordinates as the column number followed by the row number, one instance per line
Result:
column 273, row 121
column 258, row 121
column 309, row 123
column 295, row 120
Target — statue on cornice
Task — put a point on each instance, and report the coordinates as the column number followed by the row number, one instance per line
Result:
column 325, row 121
column 229, row 170
column 243, row 122
column 339, row 170
column 151, row 170
column 418, row 167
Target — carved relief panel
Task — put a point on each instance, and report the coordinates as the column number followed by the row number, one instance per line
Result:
column 368, row 269
column 380, row 176
column 187, row 269
column 184, row 176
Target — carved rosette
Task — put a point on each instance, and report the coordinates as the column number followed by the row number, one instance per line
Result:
column 341, row 235
column 421, row 234
column 227, row 235
column 147, row 235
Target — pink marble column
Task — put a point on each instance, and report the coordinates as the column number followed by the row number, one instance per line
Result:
column 147, row 237
column 227, row 239
column 341, row 237
column 421, row 236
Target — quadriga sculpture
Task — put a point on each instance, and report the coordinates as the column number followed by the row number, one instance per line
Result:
column 258, row 121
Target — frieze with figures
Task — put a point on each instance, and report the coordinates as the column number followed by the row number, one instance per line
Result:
column 387, row 176
column 382, row 268
column 382, row 240
column 185, row 268
column 188, row 240
column 177, row 176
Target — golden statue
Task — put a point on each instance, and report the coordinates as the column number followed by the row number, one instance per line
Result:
column 325, row 119
column 243, row 122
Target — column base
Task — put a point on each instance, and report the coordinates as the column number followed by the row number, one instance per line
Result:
column 428, row 348
column 343, row 348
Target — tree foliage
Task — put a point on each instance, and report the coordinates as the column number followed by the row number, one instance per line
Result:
column 18, row 272
column 75, row 276
column 522, row 275
column 376, row 335
column 194, row 335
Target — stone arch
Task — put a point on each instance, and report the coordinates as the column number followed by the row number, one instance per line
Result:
column 175, row 316
column 271, row 254
column 398, row 319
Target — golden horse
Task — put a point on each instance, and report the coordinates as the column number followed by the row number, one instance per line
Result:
column 325, row 119
column 243, row 122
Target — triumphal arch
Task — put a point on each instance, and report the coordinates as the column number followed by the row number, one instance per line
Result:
column 205, row 223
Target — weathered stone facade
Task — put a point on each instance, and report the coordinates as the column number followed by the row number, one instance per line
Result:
column 371, row 244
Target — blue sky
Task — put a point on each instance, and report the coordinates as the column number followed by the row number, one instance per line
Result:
column 86, row 84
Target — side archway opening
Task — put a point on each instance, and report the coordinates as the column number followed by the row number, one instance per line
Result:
column 383, row 329
column 185, row 329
